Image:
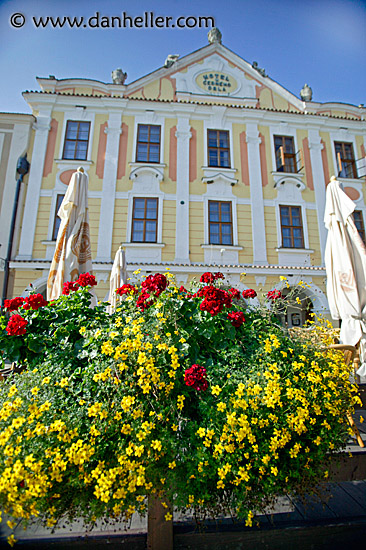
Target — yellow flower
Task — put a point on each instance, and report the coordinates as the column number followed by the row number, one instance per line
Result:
column 12, row 391
column 274, row 470
column 82, row 330
column 34, row 391
column 221, row 406
column 11, row 540
column 64, row 382
column 46, row 380
column 172, row 465
column 168, row 516
column 215, row 390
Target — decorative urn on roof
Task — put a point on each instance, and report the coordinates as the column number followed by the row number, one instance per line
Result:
column 214, row 35
column 306, row 93
column 118, row 76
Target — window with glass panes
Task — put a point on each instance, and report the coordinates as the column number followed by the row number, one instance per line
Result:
column 144, row 220
column 218, row 148
column 148, row 143
column 285, row 154
column 220, row 222
column 76, row 140
column 345, row 160
column 57, row 220
column 358, row 219
column 291, row 227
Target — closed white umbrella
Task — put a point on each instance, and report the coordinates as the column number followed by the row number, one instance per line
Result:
column 118, row 278
column 345, row 262
column 73, row 249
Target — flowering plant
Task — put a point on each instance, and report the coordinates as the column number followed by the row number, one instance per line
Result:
column 191, row 395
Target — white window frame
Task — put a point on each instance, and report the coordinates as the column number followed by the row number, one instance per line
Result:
column 131, row 196
column 282, row 130
column 152, row 119
column 78, row 114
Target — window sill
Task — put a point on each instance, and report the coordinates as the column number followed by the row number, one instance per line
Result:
column 295, row 250
column 221, row 247
column 73, row 162
column 288, row 174
column 143, row 245
column 147, row 163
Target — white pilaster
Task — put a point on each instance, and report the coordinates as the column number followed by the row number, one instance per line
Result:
column 256, row 195
column 113, row 132
column 316, row 147
column 41, row 127
column 19, row 144
column 183, row 136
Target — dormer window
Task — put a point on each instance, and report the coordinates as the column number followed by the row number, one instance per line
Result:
column 148, row 143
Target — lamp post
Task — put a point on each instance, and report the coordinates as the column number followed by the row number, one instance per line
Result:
column 22, row 170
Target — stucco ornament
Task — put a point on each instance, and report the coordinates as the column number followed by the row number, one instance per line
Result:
column 214, row 35
column 306, row 93
column 170, row 60
column 118, row 76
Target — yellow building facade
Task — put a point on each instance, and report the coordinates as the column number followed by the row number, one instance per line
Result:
column 206, row 164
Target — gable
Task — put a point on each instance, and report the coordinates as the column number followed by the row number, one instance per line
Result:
column 214, row 75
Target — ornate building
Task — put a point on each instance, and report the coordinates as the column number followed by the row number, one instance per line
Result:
column 202, row 163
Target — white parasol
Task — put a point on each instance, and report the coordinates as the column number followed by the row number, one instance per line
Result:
column 345, row 262
column 73, row 250
column 118, row 278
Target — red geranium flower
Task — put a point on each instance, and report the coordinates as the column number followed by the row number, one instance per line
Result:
column 274, row 295
column 214, row 299
column 235, row 293
column 219, row 275
column 86, row 279
column 195, row 377
column 144, row 301
column 236, row 318
column 249, row 293
column 16, row 325
column 155, row 283
column 70, row 286
column 126, row 289
column 14, row 304
column 34, row 301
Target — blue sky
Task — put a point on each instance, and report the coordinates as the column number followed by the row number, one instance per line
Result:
column 321, row 42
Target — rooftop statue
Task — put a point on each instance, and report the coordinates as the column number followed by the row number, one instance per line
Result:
column 118, row 76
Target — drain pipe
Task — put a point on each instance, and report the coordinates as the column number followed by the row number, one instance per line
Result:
column 22, row 170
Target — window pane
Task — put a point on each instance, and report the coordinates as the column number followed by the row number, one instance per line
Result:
column 155, row 134
column 81, row 150
column 72, row 130
column 224, row 139
column 212, row 157
column 287, row 242
column 226, row 229
column 297, row 243
column 150, row 237
column 224, row 158
column 226, row 239
column 143, row 133
column 212, row 138
column 83, row 131
column 154, row 153
column 141, row 152
column 289, row 145
column 69, row 150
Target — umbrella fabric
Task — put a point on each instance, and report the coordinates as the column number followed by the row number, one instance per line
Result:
column 345, row 262
column 73, row 249
column 118, row 278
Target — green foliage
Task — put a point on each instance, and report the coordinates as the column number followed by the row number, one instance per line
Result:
column 103, row 416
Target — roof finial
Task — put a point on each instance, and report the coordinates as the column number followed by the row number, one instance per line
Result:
column 214, row 35
column 306, row 93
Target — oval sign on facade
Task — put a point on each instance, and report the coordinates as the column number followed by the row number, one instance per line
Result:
column 214, row 82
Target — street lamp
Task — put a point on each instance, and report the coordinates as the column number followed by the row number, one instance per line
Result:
column 22, row 170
